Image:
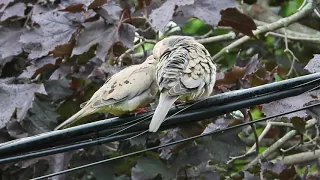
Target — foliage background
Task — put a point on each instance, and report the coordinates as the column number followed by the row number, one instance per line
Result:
column 55, row 54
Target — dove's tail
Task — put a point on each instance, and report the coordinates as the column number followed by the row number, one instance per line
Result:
column 165, row 103
column 85, row 111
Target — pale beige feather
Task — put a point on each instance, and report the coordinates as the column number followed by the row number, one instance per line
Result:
column 125, row 91
column 185, row 71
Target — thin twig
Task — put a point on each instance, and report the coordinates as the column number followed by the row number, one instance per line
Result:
column 205, row 35
column 292, row 37
column 264, row 132
column 291, row 148
column 301, row 157
column 306, row 171
column 284, row 22
column 288, row 51
column 302, row 5
column 279, row 143
column 223, row 37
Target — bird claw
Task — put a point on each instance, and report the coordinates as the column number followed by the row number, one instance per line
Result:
column 140, row 111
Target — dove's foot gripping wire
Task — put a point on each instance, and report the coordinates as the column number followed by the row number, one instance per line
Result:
column 140, row 111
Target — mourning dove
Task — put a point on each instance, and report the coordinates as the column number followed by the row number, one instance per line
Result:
column 127, row 90
column 185, row 71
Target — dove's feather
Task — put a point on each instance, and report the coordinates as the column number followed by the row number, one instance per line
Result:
column 164, row 105
column 185, row 71
column 129, row 89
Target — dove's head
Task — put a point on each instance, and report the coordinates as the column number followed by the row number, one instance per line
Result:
column 166, row 43
column 151, row 60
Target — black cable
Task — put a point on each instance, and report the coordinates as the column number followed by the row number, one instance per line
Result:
column 51, row 138
column 172, row 143
column 190, row 116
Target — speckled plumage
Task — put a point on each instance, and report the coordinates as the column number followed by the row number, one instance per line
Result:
column 185, row 71
column 127, row 90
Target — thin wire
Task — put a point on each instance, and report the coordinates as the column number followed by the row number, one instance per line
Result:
column 172, row 143
column 142, row 133
column 146, row 118
column 27, row 143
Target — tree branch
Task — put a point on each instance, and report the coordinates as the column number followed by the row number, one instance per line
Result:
column 269, row 27
column 279, row 143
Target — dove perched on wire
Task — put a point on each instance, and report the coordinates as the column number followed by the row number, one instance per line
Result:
column 185, row 71
column 131, row 88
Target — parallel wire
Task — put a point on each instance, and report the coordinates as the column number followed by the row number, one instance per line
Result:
column 172, row 143
column 62, row 135
column 186, row 117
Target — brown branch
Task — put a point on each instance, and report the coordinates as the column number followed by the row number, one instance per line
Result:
column 284, row 22
column 279, row 143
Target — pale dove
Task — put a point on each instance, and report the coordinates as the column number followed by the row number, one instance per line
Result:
column 185, row 71
column 127, row 90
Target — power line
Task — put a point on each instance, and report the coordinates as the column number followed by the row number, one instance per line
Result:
column 171, row 143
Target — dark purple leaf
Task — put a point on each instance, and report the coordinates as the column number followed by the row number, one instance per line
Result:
column 206, row 10
column 62, row 71
column 59, row 162
column 288, row 104
column 16, row 97
column 249, row 176
column 314, row 64
column 4, row 4
column 171, row 136
column 58, row 89
column 105, row 36
column 238, row 21
column 9, row 42
column 299, row 124
column 55, row 29
column 113, row 10
column 15, row 129
column 16, row 10
column 142, row 4
column 203, row 171
column 250, row 1
column 38, row 66
column 252, row 66
column 82, row 5
column 42, row 117
column 223, row 145
column 277, row 167
column 161, row 16
column 146, row 169
column 314, row 111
